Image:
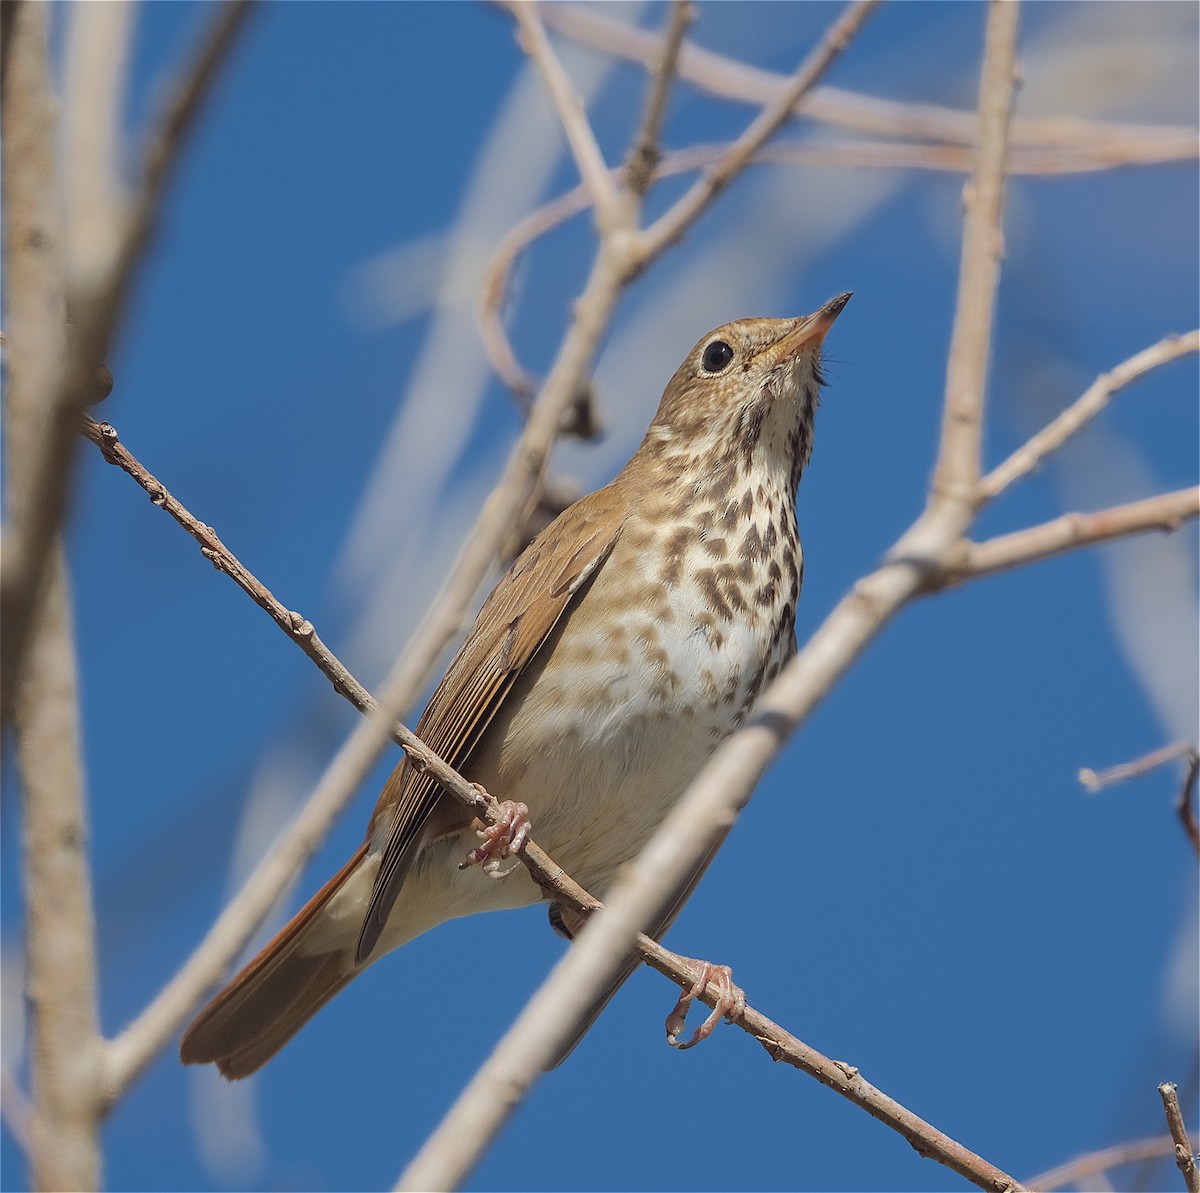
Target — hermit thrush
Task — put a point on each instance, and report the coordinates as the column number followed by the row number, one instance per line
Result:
column 627, row 640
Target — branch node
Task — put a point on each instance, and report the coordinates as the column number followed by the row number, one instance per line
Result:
column 299, row 625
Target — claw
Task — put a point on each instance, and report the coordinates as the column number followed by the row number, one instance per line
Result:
column 500, row 840
column 731, row 1004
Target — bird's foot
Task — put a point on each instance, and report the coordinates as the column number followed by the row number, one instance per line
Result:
column 500, row 840
column 731, row 1004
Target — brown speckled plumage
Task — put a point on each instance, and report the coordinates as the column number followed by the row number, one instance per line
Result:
column 629, row 639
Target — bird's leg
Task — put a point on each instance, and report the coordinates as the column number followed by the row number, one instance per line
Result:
column 500, row 840
column 731, row 1004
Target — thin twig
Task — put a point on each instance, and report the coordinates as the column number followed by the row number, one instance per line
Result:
column 1185, row 805
column 870, row 155
column 1083, row 1168
column 1166, row 512
column 1184, row 1156
column 645, row 154
column 716, row 74
column 1095, row 781
column 1089, row 404
column 956, row 474
column 674, row 223
column 569, row 108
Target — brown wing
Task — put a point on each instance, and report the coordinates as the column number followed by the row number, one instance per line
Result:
column 515, row 620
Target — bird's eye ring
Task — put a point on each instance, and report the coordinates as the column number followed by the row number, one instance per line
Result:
column 716, row 356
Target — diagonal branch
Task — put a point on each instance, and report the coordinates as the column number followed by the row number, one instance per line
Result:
column 580, row 137
column 1089, row 404
column 1077, row 1171
column 727, row 78
column 676, row 221
column 1166, row 512
column 645, row 154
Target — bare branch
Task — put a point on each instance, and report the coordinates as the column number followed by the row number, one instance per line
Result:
column 1184, row 1156
column 448, row 1155
column 1185, row 805
column 869, row 155
column 60, row 971
column 956, row 475
column 645, row 154
column 1089, row 404
column 36, row 334
column 100, row 277
column 1167, row 512
column 1096, row 781
column 675, row 222
column 727, row 78
column 569, row 107
column 1086, row 1167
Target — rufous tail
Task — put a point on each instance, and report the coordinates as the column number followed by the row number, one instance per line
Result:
column 275, row 994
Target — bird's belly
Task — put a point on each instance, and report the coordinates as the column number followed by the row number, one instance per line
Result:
column 608, row 733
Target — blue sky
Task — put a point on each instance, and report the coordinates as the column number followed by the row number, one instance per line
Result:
column 920, row 886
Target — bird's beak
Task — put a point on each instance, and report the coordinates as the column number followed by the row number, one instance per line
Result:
column 809, row 332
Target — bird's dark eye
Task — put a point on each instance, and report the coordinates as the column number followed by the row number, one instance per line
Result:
column 716, row 356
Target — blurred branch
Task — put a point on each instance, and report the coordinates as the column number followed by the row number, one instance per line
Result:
column 1184, row 1156
column 703, row 816
column 956, row 474
column 570, row 111
column 1185, row 805
column 884, row 155
column 668, row 228
column 41, row 695
column 1081, row 1169
column 1089, row 404
column 106, row 235
column 1166, row 512
column 645, row 153
column 1096, row 781
column 35, row 311
column 60, row 971
column 727, row 78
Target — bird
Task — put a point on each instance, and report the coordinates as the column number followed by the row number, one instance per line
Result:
column 622, row 646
